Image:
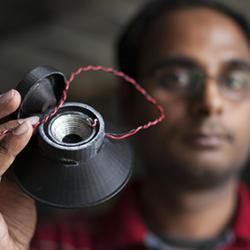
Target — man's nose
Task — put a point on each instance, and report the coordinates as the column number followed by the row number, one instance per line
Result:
column 209, row 100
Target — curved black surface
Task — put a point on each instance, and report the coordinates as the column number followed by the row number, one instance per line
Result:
column 72, row 186
column 67, row 176
column 40, row 89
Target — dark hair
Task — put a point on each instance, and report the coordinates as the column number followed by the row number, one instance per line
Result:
column 128, row 43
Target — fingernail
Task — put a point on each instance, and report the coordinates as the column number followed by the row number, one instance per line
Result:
column 32, row 120
column 21, row 129
column 6, row 96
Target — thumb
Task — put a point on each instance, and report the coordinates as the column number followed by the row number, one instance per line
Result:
column 13, row 143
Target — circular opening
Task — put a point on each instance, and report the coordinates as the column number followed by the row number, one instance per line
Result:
column 72, row 138
column 71, row 128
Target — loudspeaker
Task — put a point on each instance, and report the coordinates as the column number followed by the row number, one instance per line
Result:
column 68, row 163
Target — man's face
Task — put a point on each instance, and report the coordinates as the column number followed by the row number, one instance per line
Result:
column 205, row 137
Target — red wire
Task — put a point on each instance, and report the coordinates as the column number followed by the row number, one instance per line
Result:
column 116, row 73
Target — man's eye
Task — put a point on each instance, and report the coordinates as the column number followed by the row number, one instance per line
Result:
column 174, row 79
column 238, row 80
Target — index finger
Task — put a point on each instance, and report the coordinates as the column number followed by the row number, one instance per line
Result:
column 13, row 143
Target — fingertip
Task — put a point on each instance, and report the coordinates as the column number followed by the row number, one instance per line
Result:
column 15, row 92
column 33, row 120
column 23, row 128
column 11, row 100
column 13, row 143
column 16, row 99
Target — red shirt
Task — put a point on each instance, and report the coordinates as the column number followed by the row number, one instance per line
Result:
column 123, row 228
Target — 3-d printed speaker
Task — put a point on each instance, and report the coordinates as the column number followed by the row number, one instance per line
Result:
column 69, row 163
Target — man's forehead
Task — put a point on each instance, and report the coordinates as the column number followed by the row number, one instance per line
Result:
column 196, row 31
column 192, row 17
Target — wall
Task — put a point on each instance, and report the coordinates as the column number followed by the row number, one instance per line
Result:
column 65, row 34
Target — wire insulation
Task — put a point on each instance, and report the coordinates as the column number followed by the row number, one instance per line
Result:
column 95, row 122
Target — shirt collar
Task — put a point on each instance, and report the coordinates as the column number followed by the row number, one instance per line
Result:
column 126, row 226
column 122, row 227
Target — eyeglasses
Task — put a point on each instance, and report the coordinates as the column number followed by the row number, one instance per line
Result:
column 188, row 82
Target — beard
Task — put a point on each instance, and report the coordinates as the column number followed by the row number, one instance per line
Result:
column 193, row 176
column 174, row 161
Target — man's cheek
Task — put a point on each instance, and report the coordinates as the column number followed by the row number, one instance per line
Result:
column 241, row 142
column 166, row 137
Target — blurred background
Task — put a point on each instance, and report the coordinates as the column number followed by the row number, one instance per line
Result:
column 66, row 35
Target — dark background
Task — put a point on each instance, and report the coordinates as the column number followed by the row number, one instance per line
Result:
column 66, row 34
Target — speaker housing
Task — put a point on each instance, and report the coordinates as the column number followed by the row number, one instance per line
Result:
column 68, row 163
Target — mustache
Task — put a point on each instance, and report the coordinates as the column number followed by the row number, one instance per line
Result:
column 210, row 127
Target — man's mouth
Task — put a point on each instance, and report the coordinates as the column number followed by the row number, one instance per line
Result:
column 207, row 140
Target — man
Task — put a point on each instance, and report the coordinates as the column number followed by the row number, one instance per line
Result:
column 193, row 57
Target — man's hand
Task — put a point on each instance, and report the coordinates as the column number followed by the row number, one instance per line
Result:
column 17, row 211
